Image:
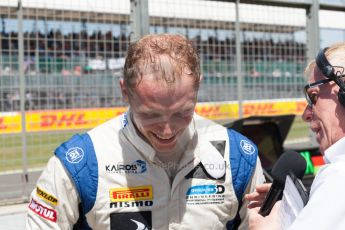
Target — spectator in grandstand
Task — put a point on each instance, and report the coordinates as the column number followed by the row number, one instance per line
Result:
column 254, row 73
column 276, row 73
column 15, row 101
column 29, row 105
column 157, row 166
column 77, row 70
column 325, row 112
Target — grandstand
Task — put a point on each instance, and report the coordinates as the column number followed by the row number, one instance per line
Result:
column 73, row 56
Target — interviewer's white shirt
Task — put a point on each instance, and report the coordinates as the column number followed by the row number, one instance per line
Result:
column 326, row 207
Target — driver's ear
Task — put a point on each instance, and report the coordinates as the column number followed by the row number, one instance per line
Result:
column 124, row 90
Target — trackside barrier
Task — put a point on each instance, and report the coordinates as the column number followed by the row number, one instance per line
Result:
column 73, row 119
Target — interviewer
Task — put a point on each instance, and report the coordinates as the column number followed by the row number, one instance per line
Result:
column 326, row 114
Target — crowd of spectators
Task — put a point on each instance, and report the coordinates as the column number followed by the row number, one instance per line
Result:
column 79, row 54
column 57, row 47
column 56, row 99
column 253, row 49
column 55, row 43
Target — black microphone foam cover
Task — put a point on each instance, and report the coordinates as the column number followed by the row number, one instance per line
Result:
column 289, row 161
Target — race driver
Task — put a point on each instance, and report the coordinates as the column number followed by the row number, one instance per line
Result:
column 157, row 166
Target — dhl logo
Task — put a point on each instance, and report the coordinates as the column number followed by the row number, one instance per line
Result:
column 209, row 109
column 9, row 125
column 2, row 123
column 73, row 119
column 254, row 109
column 300, row 107
column 217, row 111
column 131, row 194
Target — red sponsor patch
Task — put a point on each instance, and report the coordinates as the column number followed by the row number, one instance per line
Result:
column 42, row 211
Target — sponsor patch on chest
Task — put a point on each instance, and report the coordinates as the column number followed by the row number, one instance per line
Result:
column 131, row 197
column 136, row 167
column 205, row 194
column 131, row 221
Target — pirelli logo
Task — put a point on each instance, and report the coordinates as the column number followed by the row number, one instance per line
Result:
column 46, row 196
column 131, row 194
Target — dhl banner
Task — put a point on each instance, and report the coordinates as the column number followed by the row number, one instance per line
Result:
column 229, row 110
column 54, row 120
column 71, row 119
column 10, row 122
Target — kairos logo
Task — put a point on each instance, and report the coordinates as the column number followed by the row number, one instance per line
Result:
column 137, row 167
column 247, row 147
column 74, row 155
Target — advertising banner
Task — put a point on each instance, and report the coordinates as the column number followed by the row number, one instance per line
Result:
column 73, row 119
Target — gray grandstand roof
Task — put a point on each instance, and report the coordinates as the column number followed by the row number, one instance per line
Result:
column 106, row 11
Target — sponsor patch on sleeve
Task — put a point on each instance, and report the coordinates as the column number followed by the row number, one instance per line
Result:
column 74, row 155
column 43, row 211
column 46, row 196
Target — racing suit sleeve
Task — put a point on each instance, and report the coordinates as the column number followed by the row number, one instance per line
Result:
column 257, row 178
column 54, row 201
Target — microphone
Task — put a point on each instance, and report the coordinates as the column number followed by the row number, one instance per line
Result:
column 289, row 161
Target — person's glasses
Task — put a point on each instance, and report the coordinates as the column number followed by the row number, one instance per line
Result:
column 312, row 97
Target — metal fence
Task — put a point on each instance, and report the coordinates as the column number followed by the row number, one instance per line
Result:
column 58, row 55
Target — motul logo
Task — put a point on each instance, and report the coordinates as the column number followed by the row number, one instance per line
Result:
column 130, row 194
column 42, row 211
column 64, row 120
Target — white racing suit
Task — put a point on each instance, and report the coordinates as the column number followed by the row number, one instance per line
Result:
column 110, row 178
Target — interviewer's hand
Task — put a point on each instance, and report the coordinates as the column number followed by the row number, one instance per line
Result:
column 270, row 222
column 257, row 197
